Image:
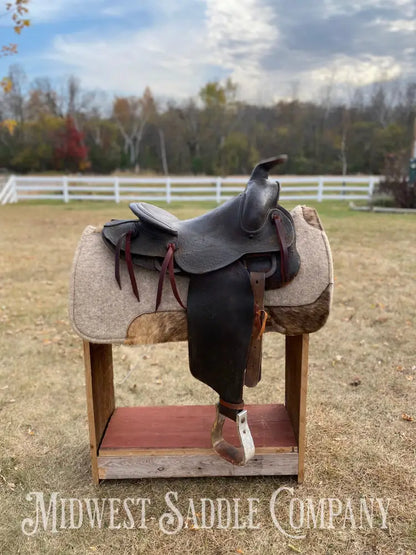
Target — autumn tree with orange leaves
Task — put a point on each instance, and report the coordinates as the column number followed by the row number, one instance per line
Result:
column 17, row 10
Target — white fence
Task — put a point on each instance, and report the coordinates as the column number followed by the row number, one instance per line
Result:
column 169, row 189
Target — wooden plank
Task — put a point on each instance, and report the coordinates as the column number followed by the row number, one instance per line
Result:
column 136, row 451
column 296, row 388
column 179, row 428
column 282, row 464
column 98, row 362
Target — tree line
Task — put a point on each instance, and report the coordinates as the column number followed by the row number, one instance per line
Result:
column 45, row 128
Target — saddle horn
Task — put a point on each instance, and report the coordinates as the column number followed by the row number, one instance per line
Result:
column 261, row 171
column 260, row 195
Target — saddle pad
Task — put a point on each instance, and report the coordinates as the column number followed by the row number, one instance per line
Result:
column 102, row 313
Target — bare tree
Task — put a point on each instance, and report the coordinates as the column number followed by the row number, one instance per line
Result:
column 132, row 115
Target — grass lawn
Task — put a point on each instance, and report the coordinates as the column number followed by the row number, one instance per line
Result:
column 361, row 439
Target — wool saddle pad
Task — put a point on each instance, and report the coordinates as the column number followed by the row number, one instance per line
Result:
column 102, row 313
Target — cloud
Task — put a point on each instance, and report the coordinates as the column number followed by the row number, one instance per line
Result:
column 239, row 34
column 168, row 59
column 266, row 46
column 356, row 72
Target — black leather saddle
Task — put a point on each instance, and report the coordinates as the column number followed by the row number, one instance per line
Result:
column 231, row 255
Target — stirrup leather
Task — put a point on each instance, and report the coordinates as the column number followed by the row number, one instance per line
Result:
column 235, row 455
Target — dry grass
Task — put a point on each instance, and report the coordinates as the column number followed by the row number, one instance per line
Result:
column 358, row 443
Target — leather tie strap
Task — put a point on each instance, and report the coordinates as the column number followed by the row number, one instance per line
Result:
column 233, row 406
column 280, row 230
column 127, row 237
column 230, row 410
column 130, row 267
column 117, row 260
column 168, row 264
column 253, row 369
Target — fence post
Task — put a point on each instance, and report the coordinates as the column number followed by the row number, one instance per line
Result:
column 9, row 192
column 218, row 184
column 320, row 188
column 116, row 190
column 371, row 184
column 14, row 197
column 65, row 188
column 168, row 191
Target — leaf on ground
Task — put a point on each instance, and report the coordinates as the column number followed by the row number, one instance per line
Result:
column 407, row 417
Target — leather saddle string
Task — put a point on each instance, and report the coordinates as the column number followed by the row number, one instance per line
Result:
column 253, row 368
column 168, row 265
column 130, row 267
column 280, row 230
column 127, row 237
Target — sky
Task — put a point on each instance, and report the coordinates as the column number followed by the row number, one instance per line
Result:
column 273, row 49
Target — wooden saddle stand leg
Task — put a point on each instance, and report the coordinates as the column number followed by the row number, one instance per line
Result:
column 123, row 444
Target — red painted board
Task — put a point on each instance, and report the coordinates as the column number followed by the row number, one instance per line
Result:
column 182, row 427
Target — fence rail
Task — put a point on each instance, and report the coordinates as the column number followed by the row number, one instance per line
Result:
column 170, row 189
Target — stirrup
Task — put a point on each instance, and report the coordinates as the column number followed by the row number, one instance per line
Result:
column 235, row 455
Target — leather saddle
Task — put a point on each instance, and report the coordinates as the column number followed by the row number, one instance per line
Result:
column 231, row 255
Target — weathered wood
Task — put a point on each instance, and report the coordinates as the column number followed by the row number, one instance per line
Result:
column 180, row 451
column 99, row 383
column 296, row 371
column 174, row 441
column 140, row 442
column 187, row 466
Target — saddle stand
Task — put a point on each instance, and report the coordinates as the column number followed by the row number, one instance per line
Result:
column 173, row 441
column 234, row 270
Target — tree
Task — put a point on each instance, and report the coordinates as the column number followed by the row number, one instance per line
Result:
column 236, row 154
column 70, row 152
column 190, row 116
column 132, row 115
column 17, row 10
column 44, row 128
column 13, row 105
column 217, row 120
column 42, row 100
column 104, row 150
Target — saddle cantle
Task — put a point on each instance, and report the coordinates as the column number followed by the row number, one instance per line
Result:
column 231, row 255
